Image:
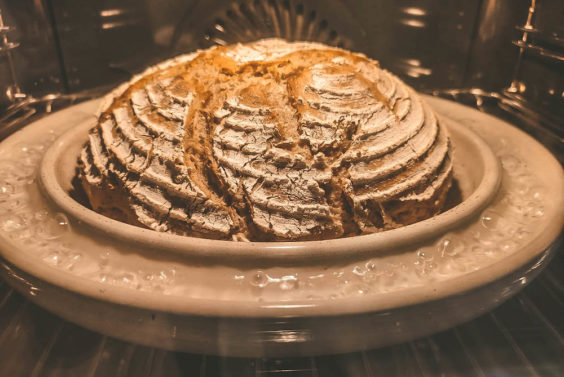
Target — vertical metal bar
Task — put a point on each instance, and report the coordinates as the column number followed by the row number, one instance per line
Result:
column 57, row 38
column 96, row 359
column 549, row 275
column 473, row 40
column 47, row 351
column 203, row 366
column 514, row 87
column 366, row 363
column 124, row 366
column 471, row 358
column 507, row 335
column 14, row 319
column 314, row 370
column 6, row 297
column 418, row 359
column 156, row 369
column 548, row 285
column 8, row 46
column 536, row 311
column 258, row 368
column 149, row 362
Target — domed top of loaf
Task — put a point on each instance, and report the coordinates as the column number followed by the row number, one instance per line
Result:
column 269, row 140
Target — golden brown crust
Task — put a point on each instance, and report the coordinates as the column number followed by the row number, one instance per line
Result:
column 267, row 141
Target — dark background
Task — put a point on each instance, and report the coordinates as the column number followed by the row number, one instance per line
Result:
column 71, row 45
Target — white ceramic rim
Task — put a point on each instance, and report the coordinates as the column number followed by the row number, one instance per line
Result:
column 280, row 252
column 274, row 309
column 343, row 306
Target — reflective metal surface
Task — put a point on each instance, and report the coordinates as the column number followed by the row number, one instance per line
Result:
column 490, row 44
column 35, row 61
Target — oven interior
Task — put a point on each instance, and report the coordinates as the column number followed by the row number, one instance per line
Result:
column 502, row 57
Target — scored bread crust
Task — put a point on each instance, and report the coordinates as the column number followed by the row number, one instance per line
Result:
column 269, row 140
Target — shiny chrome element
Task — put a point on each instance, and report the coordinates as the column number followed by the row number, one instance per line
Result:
column 292, row 20
column 21, row 113
column 542, row 125
column 514, row 87
column 24, row 107
column 13, row 274
column 116, row 18
column 13, row 92
column 111, row 12
column 413, row 68
column 540, row 51
column 286, row 336
column 413, row 23
column 414, row 11
column 415, row 19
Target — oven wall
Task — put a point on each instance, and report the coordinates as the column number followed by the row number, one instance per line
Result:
column 69, row 45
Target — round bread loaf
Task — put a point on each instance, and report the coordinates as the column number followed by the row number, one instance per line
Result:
column 269, row 140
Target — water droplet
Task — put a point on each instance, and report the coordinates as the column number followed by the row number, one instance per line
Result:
column 288, row 282
column 450, row 246
column 424, row 255
column 41, row 215
column 53, row 228
column 259, row 279
column 338, row 274
column 358, row 271
column 508, row 245
column 490, row 220
column 126, row 278
column 62, row 220
column 163, row 275
column 12, row 223
column 356, row 289
column 53, row 258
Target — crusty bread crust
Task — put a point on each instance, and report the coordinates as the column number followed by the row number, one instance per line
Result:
column 267, row 141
